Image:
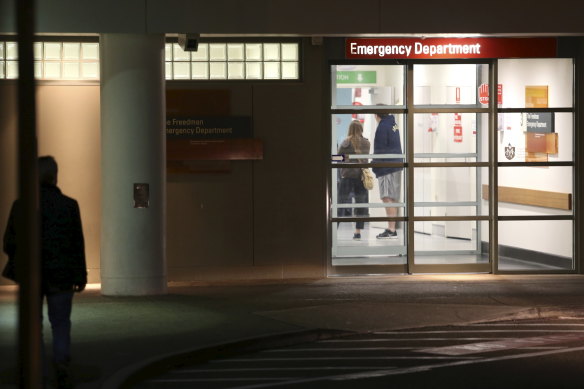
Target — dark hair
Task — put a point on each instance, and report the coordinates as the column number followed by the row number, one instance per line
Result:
column 382, row 114
column 47, row 170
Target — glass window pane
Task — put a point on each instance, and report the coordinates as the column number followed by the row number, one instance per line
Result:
column 448, row 84
column 396, row 153
column 90, row 51
column 2, row 71
column 168, row 70
column 1, row 50
column 179, row 54
column 217, row 52
column 535, row 190
column 90, row 70
column 202, row 53
column 451, row 191
column 289, row 52
column 71, row 50
column 537, row 83
column 536, row 245
column 71, row 70
column 235, row 52
column 52, row 70
column 271, row 70
column 168, row 51
column 290, row 70
column 235, row 70
column 536, row 137
column 11, row 69
column 368, row 85
column 218, row 70
column 38, row 69
column 200, row 70
column 271, row 51
column 52, row 50
column 451, row 136
column 367, row 250
column 181, row 71
column 253, row 51
column 38, row 50
column 253, row 70
column 451, row 242
column 11, row 50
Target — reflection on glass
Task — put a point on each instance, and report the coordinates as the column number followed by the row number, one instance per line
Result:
column 539, row 245
column 368, row 85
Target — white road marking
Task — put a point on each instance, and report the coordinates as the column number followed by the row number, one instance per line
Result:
column 472, row 331
column 415, row 369
column 279, row 369
column 498, row 345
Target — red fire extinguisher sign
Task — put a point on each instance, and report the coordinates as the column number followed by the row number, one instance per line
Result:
column 457, row 128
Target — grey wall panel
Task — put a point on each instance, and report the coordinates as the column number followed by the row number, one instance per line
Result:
column 289, row 187
column 209, row 215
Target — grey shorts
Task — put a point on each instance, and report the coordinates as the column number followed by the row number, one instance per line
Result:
column 390, row 185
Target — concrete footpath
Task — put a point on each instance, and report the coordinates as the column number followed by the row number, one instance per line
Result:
column 114, row 336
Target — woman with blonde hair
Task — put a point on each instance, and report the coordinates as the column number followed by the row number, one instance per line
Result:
column 351, row 185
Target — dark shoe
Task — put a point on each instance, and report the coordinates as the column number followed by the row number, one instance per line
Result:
column 387, row 234
column 356, row 236
column 63, row 376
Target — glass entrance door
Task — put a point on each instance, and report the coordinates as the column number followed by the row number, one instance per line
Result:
column 423, row 131
column 474, row 166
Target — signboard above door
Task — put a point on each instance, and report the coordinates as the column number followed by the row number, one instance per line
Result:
column 449, row 48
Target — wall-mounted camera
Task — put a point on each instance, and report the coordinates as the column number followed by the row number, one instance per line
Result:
column 188, row 42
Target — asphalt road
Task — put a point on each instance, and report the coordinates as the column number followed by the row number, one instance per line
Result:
column 521, row 354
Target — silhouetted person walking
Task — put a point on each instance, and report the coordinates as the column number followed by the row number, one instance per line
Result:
column 62, row 260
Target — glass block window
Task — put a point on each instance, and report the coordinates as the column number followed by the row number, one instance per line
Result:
column 54, row 60
column 234, row 61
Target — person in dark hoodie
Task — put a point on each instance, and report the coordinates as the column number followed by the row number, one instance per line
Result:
column 351, row 184
column 387, row 141
column 63, row 269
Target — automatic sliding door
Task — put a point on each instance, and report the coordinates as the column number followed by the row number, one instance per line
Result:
column 450, row 133
column 362, row 97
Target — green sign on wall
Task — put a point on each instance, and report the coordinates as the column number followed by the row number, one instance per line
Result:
column 357, row 77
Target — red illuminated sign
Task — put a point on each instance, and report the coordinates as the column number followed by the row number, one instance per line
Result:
column 447, row 48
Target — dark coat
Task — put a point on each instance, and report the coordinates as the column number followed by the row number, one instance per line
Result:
column 62, row 244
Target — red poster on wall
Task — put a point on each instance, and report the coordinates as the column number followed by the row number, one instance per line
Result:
column 457, row 128
column 484, row 94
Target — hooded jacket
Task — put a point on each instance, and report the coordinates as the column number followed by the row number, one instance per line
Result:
column 387, row 141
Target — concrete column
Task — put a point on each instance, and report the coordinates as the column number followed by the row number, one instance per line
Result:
column 133, row 151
